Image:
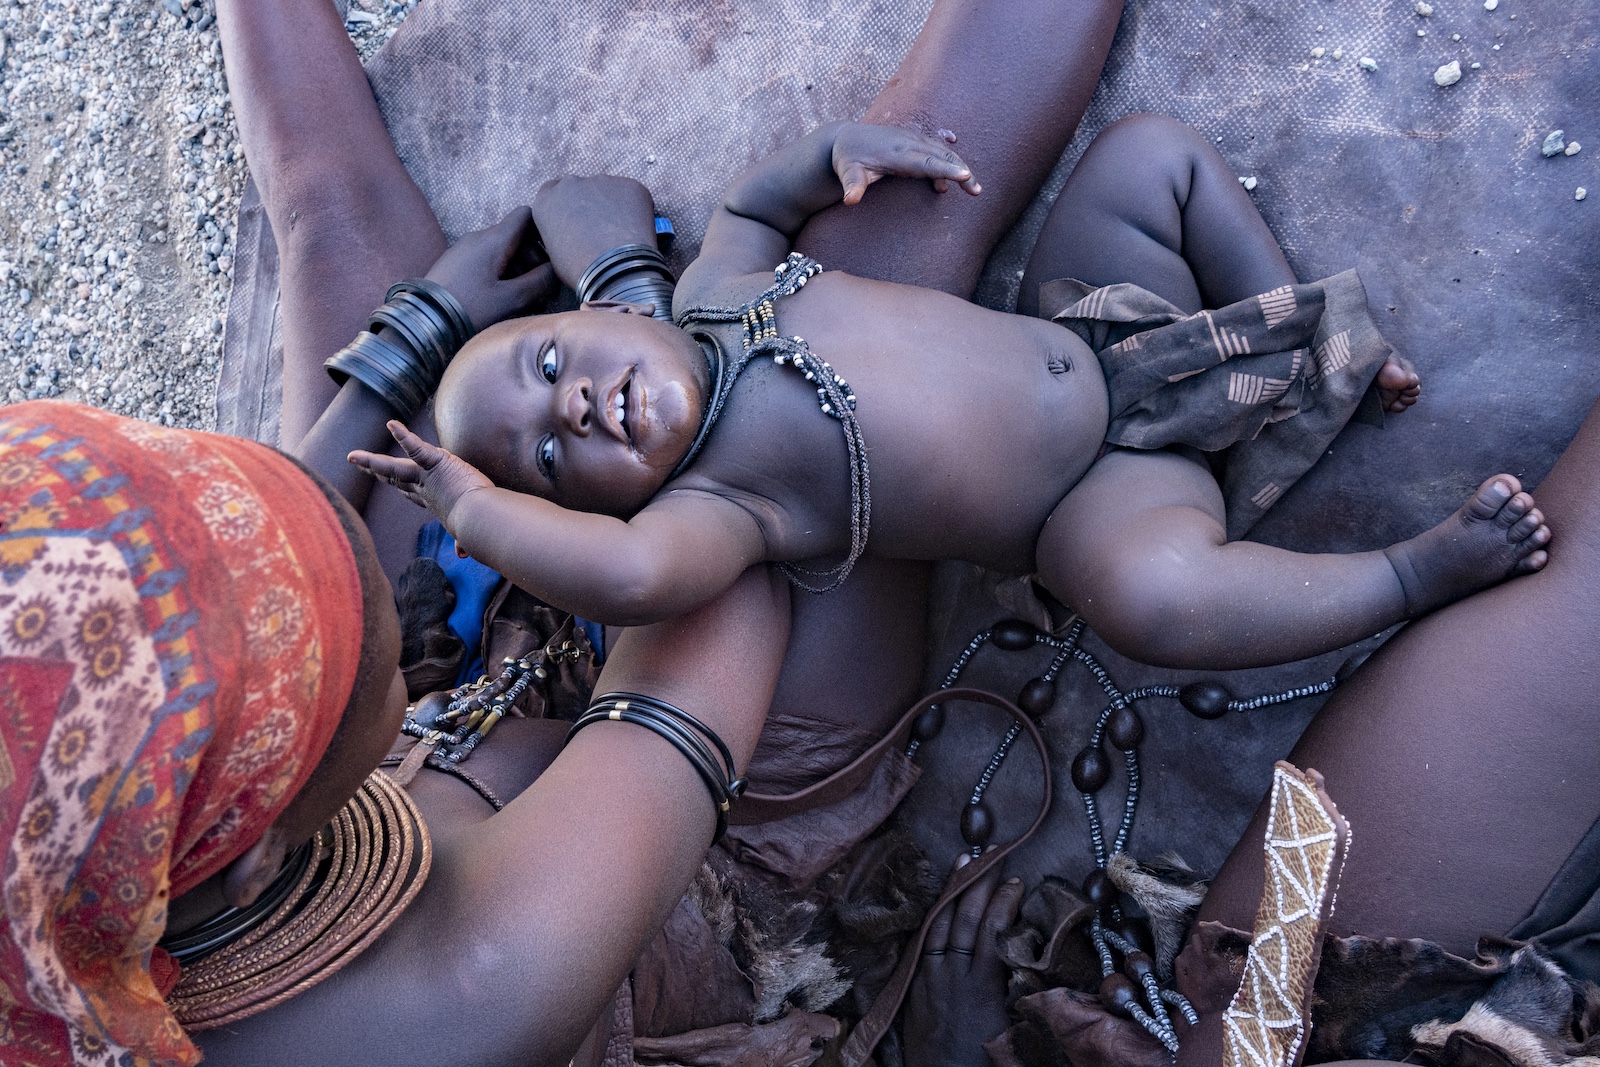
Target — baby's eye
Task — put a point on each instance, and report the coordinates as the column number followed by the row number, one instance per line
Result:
column 547, row 456
column 547, row 364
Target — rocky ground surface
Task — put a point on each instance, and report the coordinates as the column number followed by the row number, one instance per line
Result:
column 120, row 173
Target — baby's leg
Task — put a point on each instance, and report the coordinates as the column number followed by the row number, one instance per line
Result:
column 347, row 219
column 1139, row 549
column 1153, row 204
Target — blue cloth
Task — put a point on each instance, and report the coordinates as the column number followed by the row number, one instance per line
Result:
column 474, row 585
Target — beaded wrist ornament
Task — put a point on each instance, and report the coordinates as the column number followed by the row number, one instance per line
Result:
column 431, row 326
column 683, row 732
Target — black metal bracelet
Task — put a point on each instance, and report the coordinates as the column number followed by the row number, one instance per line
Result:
column 422, row 327
column 443, row 301
column 635, row 273
column 685, row 733
column 391, row 372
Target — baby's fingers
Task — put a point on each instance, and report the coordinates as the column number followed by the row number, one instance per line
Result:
column 855, row 179
column 426, row 455
column 393, row 470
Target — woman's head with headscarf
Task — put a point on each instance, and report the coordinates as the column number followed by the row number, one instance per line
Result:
column 181, row 633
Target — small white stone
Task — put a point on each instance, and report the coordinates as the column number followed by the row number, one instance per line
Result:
column 1367, row 63
column 1581, row 194
column 1424, row 8
column 1338, row 53
column 1555, row 142
column 1422, row 33
column 1573, row 148
column 1455, row 37
column 1477, row 66
column 1448, row 74
column 651, row 160
column 1318, row 52
column 1490, row 5
column 1248, row 183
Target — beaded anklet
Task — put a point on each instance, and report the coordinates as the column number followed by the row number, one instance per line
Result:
column 683, row 732
column 760, row 321
column 1122, row 725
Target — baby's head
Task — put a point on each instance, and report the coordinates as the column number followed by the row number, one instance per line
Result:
column 592, row 409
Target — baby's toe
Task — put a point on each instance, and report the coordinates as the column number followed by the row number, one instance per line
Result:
column 1526, row 526
column 1514, row 510
column 1493, row 495
column 1532, row 562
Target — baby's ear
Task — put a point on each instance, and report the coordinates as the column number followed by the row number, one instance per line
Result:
column 620, row 306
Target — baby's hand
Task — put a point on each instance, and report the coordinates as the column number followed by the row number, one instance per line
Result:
column 863, row 154
column 427, row 475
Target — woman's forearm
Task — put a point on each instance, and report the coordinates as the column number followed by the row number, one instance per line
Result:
column 582, row 869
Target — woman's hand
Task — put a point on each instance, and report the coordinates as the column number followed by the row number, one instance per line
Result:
column 426, row 474
column 497, row 272
column 862, row 154
column 584, row 218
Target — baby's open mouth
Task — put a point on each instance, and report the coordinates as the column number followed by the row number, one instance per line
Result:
column 619, row 407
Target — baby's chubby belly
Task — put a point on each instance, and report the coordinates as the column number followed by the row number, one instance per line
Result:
column 976, row 422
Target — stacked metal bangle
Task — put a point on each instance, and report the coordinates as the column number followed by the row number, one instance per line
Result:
column 634, row 274
column 683, row 732
column 432, row 326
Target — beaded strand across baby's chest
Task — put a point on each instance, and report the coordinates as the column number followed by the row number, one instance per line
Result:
column 759, row 318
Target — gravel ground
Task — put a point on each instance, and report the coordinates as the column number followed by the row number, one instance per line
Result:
column 120, row 174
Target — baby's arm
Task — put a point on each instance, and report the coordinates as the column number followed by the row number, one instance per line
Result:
column 768, row 204
column 680, row 552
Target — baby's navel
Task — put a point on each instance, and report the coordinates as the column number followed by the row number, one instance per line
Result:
column 1058, row 363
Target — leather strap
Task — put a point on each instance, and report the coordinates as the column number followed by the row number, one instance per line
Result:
column 763, row 807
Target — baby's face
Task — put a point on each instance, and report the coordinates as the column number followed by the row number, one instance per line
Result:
column 591, row 409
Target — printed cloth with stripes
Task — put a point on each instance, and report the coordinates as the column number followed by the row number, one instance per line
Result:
column 1271, row 379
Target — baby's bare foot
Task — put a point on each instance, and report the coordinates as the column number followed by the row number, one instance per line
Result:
column 1398, row 384
column 1496, row 534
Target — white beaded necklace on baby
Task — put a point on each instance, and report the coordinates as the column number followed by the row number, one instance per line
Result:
column 760, row 321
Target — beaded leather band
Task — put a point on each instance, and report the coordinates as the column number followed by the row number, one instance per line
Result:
column 634, row 274
column 431, row 326
column 683, row 732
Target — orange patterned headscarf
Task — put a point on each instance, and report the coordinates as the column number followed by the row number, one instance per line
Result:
column 180, row 627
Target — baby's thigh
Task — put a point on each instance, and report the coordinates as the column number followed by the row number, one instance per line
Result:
column 1153, row 204
column 1127, row 524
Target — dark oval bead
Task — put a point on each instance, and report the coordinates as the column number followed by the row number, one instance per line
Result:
column 1100, row 889
column 1139, row 964
column 1013, row 635
column 1118, row 994
column 1037, row 697
column 1126, row 729
column 430, row 707
column 929, row 723
column 1208, row 700
column 977, row 825
column 1090, row 769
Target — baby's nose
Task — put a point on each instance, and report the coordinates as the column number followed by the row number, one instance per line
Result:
column 577, row 407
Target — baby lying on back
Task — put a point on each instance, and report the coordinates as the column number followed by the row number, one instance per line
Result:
column 629, row 470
